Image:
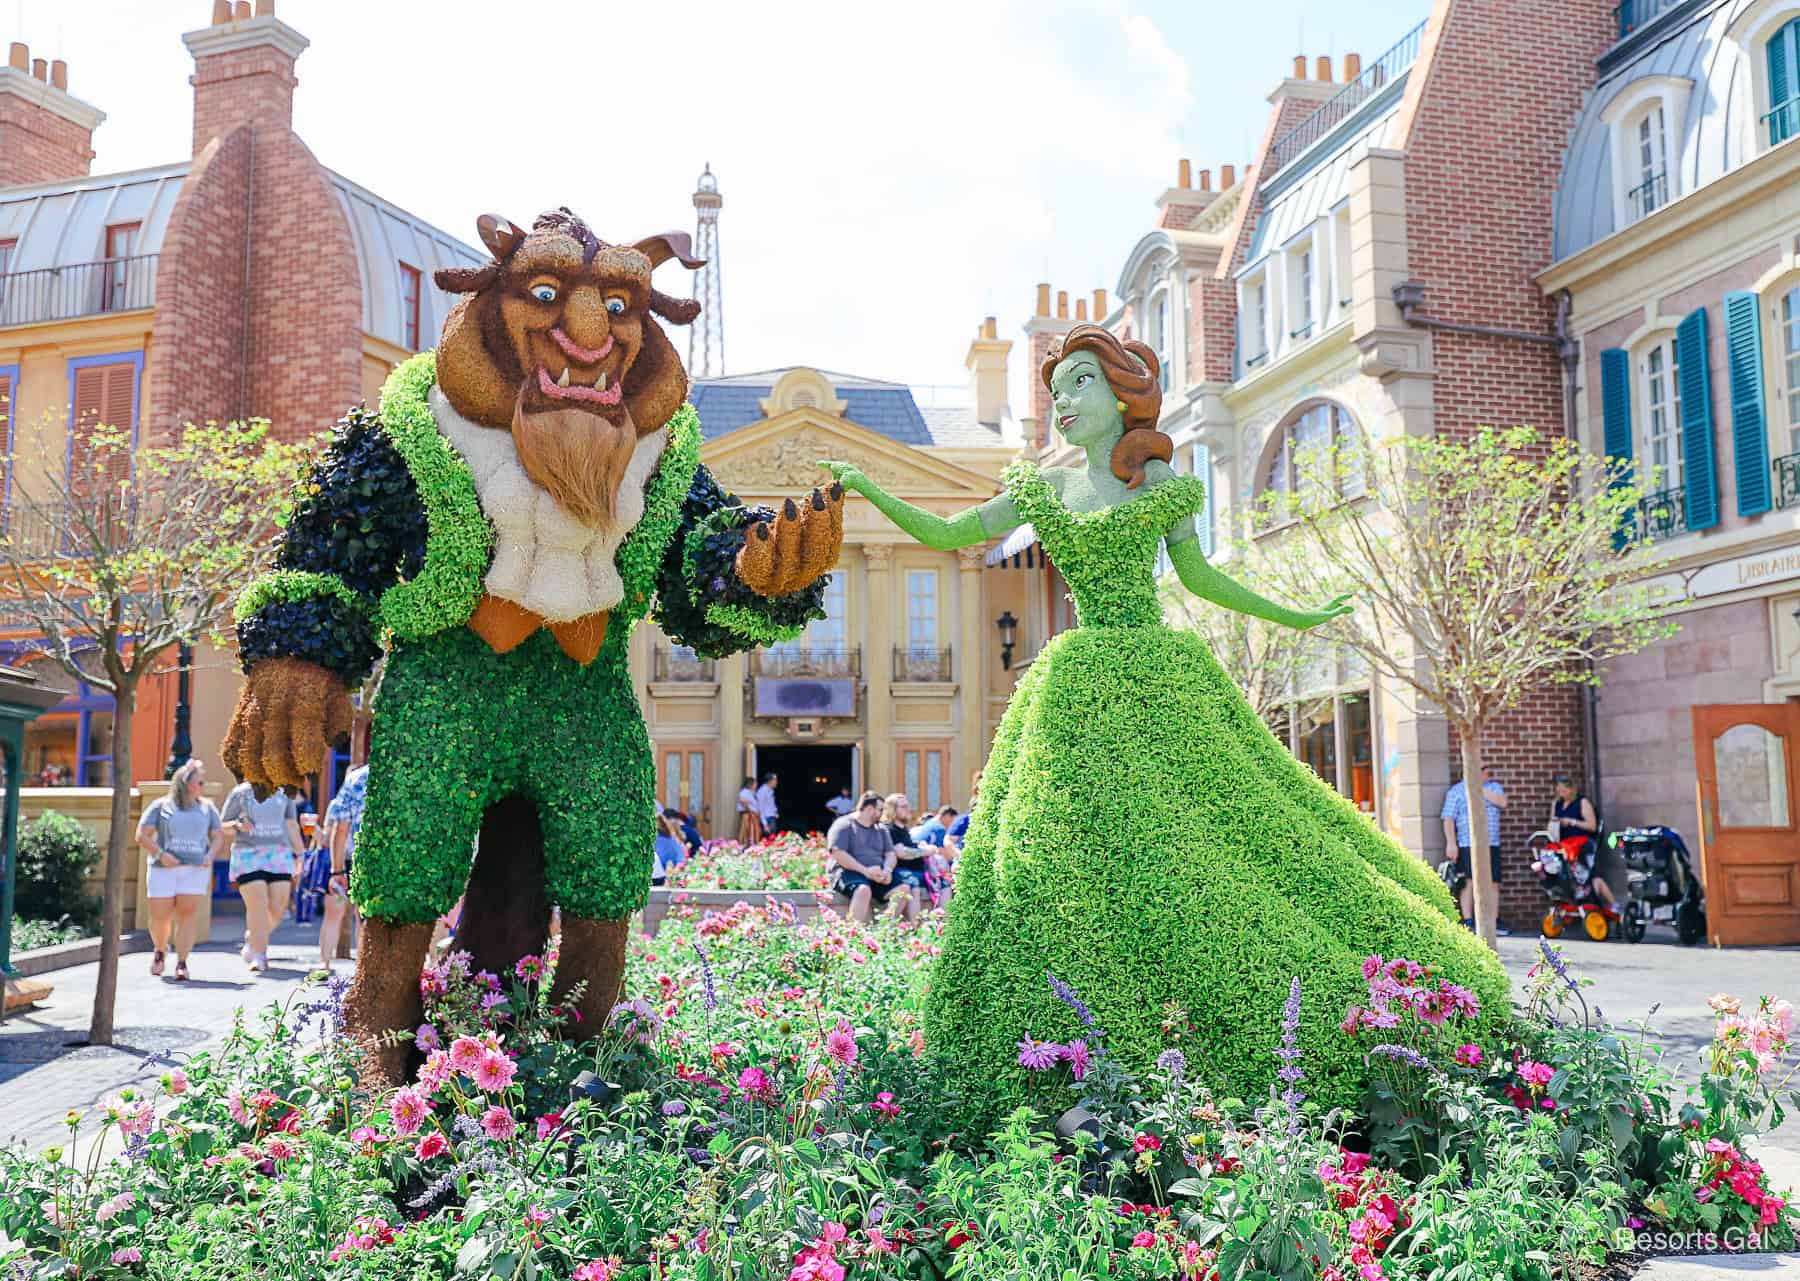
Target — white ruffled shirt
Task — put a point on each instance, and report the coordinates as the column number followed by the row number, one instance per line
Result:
column 545, row 559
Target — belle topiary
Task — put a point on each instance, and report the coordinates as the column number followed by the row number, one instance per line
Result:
column 1140, row 833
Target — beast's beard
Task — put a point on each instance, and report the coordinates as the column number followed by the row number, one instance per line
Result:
column 577, row 456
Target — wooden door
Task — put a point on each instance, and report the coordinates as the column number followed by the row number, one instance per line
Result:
column 1748, row 760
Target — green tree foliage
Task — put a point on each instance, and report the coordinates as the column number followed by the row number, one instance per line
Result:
column 55, row 855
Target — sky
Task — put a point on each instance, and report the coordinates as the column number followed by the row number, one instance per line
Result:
column 891, row 173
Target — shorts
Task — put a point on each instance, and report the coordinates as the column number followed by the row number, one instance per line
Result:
column 167, row 882
column 1464, row 869
column 849, row 882
column 911, row 872
column 271, row 877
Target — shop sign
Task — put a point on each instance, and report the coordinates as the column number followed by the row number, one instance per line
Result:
column 1745, row 572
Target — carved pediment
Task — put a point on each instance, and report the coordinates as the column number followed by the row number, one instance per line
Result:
column 781, row 456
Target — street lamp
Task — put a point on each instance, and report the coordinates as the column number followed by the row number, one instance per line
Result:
column 182, row 745
column 1009, row 635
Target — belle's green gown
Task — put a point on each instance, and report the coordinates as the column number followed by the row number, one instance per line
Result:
column 1141, row 835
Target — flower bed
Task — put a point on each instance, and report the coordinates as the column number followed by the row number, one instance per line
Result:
column 785, row 862
column 765, row 1106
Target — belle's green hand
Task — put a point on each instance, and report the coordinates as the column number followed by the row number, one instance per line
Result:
column 846, row 474
column 1337, row 607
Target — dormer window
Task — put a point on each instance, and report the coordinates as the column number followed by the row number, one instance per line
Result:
column 1651, row 190
column 1784, row 83
column 1644, row 120
column 1253, row 319
column 1159, row 332
column 1301, row 263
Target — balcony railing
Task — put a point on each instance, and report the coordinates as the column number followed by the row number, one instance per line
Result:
column 79, row 289
column 32, row 533
column 1783, row 122
column 921, row 663
column 1633, row 14
column 796, row 660
column 1662, row 515
column 1346, row 100
column 1787, row 481
column 1649, row 195
column 679, row 664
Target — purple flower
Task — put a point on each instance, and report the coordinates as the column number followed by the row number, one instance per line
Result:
column 1172, row 1061
column 710, row 990
column 1067, row 995
column 1035, row 1056
column 1290, row 1054
column 1079, row 1057
column 674, row 1107
column 1402, row 1054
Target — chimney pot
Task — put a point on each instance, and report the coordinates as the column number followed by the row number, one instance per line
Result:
column 1323, row 68
column 990, row 328
column 265, row 8
column 1206, row 180
column 1227, row 177
column 1184, row 174
column 221, row 12
column 1062, row 304
column 1299, row 66
column 1043, row 300
column 59, row 74
column 1099, row 305
column 1352, row 66
column 19, row 56
column 1081, row 310
column 241, row 11
column 40, row 69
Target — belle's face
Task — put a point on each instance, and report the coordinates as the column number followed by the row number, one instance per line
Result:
column 1085, row 408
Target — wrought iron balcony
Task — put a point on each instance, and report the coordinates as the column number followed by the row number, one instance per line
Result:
column 1783, row 122
column 679, row 663
column 1787, row 481
column 1340, row 105
column 79, row 289
column 921, row 663
column 814, row 660
column 1662, row 515
column 1649, row 195
column 1635, row 14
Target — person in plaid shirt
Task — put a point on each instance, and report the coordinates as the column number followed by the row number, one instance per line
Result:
column 342, row 818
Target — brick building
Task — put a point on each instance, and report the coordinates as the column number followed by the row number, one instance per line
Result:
column 1273, row 297
column 1677, row 247
column 245, row 279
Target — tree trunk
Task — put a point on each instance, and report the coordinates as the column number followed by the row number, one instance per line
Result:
column 119, row 840
column 1481, row 876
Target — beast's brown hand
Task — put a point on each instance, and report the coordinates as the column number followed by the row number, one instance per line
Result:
column 289, row 714
column 790, row 552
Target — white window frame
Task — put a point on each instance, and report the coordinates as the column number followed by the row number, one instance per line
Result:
column 1659, row 413
column 1782, row 359
column 1254, row 296
column 1751, row 31
column 1340, row 300
column 916, row 640
column 1300, row 263
column 1159, row 326
column 1629, row 106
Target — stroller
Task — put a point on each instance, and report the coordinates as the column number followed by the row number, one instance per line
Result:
column 1567, row 875
column 1663, row 885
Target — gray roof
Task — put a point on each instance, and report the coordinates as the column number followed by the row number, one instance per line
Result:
column 60, row 224
column 1717, row 134
column 1295, row 207
column 889, row 409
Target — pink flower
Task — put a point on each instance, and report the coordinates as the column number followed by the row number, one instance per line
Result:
column 755, row 1084
column 885, row 1105
column 529, row 968
column 280, row 1149
column 366, row 1137
column 1144, row 1240
column 1080, row 1058
column 1536, row 1075
column 408, row 1110
column 840, row 1043
column 1371, row 965
column 547, row 1124
column 433, row 1144
column 234, row 1106
column 129, row 1255
column 434, row 1072
column 1469, row 1055
column 1035, row 1055
column 466, row 1054
column 177, row 1082
column 494, row 1072
column 600, row 1269
column 1146, row 1143
column 498, row 1123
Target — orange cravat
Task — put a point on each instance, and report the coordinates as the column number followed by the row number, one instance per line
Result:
column 505, row 625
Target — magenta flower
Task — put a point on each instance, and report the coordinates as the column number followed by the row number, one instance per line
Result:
column 1536, row 1075
column 498, row 1123
column 1371, row 965
column 600, row 1269
column 885, row 1105
column 1035, row 1056
column 1469, row 1055
column 840, row 1043
column 433, row 1144
column 1080, row 1058
column 529, row 968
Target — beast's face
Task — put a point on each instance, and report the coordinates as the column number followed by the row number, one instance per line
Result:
column 557, row 342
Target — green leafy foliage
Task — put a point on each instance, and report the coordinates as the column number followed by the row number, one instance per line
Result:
column 56, row 855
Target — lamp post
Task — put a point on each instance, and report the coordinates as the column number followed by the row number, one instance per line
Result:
column 1009, row 635
column 182, row 745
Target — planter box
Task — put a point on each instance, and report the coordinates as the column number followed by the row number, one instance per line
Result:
column 704, row 901
column 64, row 956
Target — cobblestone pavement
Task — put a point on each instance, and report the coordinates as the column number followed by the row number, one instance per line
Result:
column 43, row 1075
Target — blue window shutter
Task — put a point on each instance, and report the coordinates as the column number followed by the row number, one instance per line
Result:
column 1203, row 523
column 1784, row 80
column 1749, row 434
column 1615, row 414
column 1779, row 69
column 1696, row 422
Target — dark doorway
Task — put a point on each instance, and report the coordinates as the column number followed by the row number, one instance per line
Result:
column 809, row 776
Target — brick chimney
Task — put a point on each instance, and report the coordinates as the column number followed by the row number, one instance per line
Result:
column 46, row 134
column 987, row 373
column 1177, row 206
column 243, row 71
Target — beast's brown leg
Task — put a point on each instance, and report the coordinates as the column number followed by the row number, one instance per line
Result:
column 385, row 995
column 594, row 951
column 505, row 913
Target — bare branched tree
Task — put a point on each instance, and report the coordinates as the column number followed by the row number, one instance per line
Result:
column 1487, row 566
column 1262, row 658
column 126, row 555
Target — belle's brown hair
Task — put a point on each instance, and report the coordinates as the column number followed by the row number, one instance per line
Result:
column 1133, row 373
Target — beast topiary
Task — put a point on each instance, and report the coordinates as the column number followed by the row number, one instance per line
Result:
column 1140, row 834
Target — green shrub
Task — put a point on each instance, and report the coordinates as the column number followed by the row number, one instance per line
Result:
column 28, row 936
column 55, row 856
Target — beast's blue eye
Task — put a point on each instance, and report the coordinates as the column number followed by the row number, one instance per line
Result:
column 544, row 293
column 615, row 305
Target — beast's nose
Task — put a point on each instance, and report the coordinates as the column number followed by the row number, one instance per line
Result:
column 585, row 318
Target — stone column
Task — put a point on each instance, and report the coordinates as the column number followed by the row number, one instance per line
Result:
column 878, row 770
column 972, row 626
column 734, row 678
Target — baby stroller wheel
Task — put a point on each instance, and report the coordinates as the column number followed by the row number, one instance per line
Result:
column 1596, row 924
column 1634, row 923
column 1552, row 925
column 1690, row 924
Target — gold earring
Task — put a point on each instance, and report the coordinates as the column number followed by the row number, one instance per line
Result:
column 1120, row 404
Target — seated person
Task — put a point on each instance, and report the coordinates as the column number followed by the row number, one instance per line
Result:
column 1574, row 815
column 912, row 868
column 933, row 829
column 671, row 850
column 863, row 853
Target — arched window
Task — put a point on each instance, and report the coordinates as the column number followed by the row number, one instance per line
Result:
column 1322, row 425
column 1647, row 140
column 1161, row 338
column 1783, row 51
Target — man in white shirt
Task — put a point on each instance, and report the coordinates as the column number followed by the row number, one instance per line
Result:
column 749, row 814
column 841, row 804
column 765, row 805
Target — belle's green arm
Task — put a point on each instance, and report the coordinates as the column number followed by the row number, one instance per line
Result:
column 1201, row 578
column 992, row 519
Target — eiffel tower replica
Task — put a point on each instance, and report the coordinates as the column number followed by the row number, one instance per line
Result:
column 706, row 338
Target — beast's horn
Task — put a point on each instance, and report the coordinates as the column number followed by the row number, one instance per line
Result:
column 500, row 236
column 670, row 244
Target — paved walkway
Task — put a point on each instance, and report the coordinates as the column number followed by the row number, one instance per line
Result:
column 42, row 1077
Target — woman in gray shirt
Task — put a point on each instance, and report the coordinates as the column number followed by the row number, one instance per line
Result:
column 182, row 835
